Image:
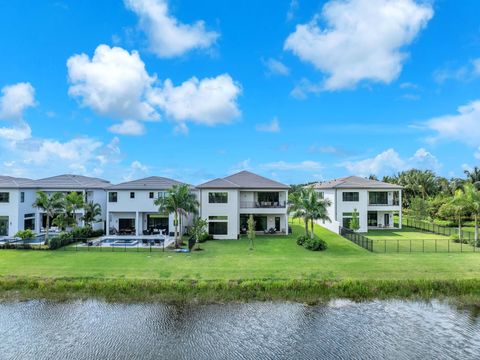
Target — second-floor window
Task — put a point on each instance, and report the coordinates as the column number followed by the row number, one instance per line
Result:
column 22, row 197
column 378, row 198
column 132, row 195
column 218, row 198
column 350, row 196
column 150, row 195
column 4, row 197
column 112, row 197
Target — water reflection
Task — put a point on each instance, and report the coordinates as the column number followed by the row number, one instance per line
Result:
column 339, row 330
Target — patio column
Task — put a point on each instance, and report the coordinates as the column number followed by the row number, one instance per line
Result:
column 286, row 224
column 137, row 223
column 401, row 207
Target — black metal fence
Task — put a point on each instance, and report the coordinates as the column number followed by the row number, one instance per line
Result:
column 358, row 239
column 437, row 229
column 422, row 246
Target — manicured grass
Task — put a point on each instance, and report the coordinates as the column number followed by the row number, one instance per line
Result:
column 414, row 240
column 274, row 258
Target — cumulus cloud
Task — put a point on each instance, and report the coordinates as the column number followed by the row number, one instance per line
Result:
column 273, row 126
column 307, row 165
column 276, row 67
column 128, row 127
column 464, row 126
column 390, row 162
column 113, row 83
column 135, row 171
column 15, row 99
column 209, row 101
column 167, row 36
column 361, row 39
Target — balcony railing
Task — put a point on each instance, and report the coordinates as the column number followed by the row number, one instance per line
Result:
column 390, row 203
column 262, row 204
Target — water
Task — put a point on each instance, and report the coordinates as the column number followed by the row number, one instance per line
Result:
column 340, row 330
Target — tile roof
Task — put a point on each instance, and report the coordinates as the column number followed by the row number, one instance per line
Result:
column 243, row 180
column 10, row 182
column 149, row 183
column 69, row 181
column 355, row 182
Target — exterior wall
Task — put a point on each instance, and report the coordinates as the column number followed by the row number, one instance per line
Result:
column 230, row 209
column 334, row 225
column 10, row 209
column 27, row 208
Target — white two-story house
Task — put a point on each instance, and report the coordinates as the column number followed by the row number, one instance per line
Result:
column 131, row 208
column 227, row 203
column 379, row 204
column 17, row 196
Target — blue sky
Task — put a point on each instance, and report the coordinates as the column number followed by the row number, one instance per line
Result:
column 295, row 90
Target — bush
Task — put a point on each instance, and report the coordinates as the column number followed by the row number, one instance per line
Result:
column 205, row 236
column 315, row 244
column 86, row 232
column 301, row 239
column 63, row 239
column 455, row 238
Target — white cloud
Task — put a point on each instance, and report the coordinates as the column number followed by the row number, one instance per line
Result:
column 209, row 101
column 477, row 154
column 361, row 40
column 292, row 9
column 466, row 72
column 273, row 126
column 463, row 126
column 303, row 88
column 181, row 129
column 276, row 67
column 128, row 127
column 240, row 166
column 15, row 100
column 389, row 162
column 167, row 36
column 476, row 66
column 136, row 170
column 307, row 165
column 113, row 83
column 20, row 131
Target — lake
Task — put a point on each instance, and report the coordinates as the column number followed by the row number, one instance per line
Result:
column 338, row 330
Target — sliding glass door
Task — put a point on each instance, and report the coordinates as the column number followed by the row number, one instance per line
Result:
column 3, row 225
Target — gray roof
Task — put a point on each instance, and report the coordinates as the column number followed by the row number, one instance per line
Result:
column 70, row 182
column 9, row 182
column 243, row 180
column 149, row 183
column 355, row 182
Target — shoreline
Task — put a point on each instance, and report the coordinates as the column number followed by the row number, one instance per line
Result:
column 462, row 292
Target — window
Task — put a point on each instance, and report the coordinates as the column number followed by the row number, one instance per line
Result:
column 350, row 196
column 218, row 198
column 321, row 195
column 372, row 218
column 112, row 197
column 270, row 197
column 218, row 228
column 346, row 218
column 29, row 221
column 396, row 198
column 162, row 194
column 150, row 195
column 4, row 225
column 378, row 198
column 22, row 197
column 4, row 197
column 132, row 195
column 225, row 218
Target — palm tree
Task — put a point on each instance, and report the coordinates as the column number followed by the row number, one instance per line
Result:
column 459, row 205
column 50, row 205
column 296, row 206
column 472, row 197
column 73, row 202
column 92, row 212
column 473, row 175
column 316, row 209
column 179, row 201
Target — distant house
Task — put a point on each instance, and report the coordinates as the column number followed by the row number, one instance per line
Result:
column 227, row 203
column 17, row 196
column 379, row 204
column 131, row 207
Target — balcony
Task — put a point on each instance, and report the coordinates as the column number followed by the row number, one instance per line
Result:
column 388, row 203
column 263, row 204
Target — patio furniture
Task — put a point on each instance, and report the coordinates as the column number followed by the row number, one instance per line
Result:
column 145, row 232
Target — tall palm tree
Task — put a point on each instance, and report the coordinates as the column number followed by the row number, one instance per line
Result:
column 50, row 205
column 316, row 209
column 296, row 206
column 179, row 201
column 73, row 202
column 473, row 175
column 92, row 212
column 472, row 198
column 460, row 206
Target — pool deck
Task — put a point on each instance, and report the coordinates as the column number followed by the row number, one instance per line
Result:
column 168, row 240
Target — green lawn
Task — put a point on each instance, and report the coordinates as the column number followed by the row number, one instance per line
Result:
column 273, row 258
column 413, row 240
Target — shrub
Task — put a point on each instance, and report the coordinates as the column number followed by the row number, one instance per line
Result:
column 315, row 244
column 455, row 238
column 301, row 239
column 63, row 239
column 204, row 237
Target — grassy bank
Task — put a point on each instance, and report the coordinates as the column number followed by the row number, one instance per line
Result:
column 308, row 291
column 227, row 270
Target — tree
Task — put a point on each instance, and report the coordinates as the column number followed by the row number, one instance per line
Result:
column 180, row 202
column 297, row 206
column 472, row 198
column 92, row 212
column 455, row 209
column 73, row 202
column 473, row 175
column 64, row 220
column 198, row 229
column 50, row 205
column 251, row 232
column 354, row 222
column 419, row 208
column 316, row 209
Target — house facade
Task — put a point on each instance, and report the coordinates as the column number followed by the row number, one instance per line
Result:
column 378, row 204
column 17, row 196
column 131, row 208
column 227, row 203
